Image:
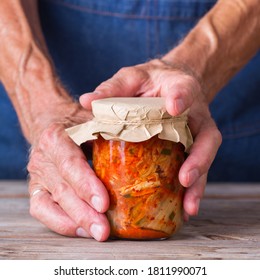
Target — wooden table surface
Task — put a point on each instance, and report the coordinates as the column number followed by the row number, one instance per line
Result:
column 227, row 227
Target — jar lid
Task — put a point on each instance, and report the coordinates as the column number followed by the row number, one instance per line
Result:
column 133, row 119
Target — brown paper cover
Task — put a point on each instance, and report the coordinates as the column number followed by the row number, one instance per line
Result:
column 132, row 119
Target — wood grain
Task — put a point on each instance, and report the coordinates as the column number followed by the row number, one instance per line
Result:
column 227, row 227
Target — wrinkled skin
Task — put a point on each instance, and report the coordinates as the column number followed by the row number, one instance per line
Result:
column 72, row 200
column 182, row 91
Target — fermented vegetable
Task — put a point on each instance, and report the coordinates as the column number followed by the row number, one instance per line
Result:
column 142, row 181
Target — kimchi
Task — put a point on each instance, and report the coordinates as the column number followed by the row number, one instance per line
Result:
column 142, row 181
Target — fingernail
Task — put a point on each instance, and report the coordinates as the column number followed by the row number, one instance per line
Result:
column 179, row 105
column 193, row 175
column 96, row 202
column 96, row 231
column 80, row 232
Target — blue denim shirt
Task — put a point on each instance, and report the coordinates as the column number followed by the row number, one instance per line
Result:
column 90, row 40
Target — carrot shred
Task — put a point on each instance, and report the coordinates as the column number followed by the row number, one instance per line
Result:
column 142, row 182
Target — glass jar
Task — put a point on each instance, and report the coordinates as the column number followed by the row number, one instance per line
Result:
column 138, row 149
column 142, row 182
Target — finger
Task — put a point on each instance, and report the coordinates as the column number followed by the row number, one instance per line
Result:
column 86, row 217
column 193, row 195
column 90, row 223
column 73, row 167
column 180, row 91
column 128, row 81
column 48, row 212
column 86, row 99
column 201, row 156
column 79, row 175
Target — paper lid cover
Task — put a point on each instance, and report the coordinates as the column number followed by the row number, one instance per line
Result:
column 133, row 119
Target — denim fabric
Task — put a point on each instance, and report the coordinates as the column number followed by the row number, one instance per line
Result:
column 13, row 147
column 236, row 110
column 90, row 40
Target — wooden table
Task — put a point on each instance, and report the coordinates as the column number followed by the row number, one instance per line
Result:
column 228, row 227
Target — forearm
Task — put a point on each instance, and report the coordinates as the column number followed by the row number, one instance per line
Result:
column 222, row 42
column 27, row 72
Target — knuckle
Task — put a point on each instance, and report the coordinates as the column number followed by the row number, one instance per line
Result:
column 132, row 74
column 64, row 229
column 215, row 134
column 182, row 88
column 125, row 71
column 32, row 165
column 188, row 77
column 105, row 86
column 34, row 161
column 191, row 86
column 191, row 83
column 49, row 136
column 218, row 137
column 79, row 174
column 80, row 218
column 82, row 189
column 59, row 191
column 76, row 169
column 67, row 165
column 191, row 80
column 206, row 164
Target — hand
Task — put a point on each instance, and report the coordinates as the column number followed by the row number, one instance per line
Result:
column 66, row 195
column 182, row 91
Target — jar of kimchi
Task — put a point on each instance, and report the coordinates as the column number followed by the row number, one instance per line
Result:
column 138, row 149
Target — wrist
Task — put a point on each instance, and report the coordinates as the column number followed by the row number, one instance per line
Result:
column 49, row 103
column 65, row 114
column 222, row 42
column 194, row 56
column 28, row 75
column 38, row 96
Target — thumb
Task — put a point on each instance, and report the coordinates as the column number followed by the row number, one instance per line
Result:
column 180, row 93
column 127, row 82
